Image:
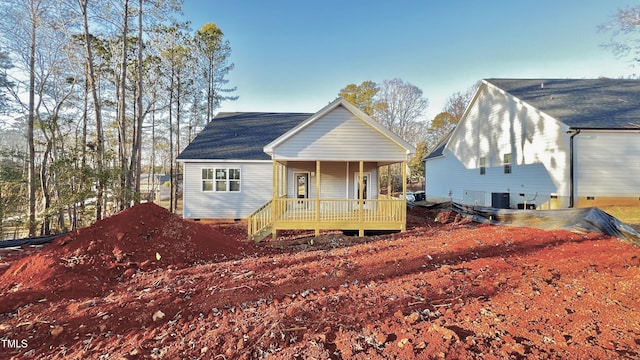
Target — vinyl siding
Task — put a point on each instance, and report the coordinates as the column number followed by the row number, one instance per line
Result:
column 334, row 181
column 373, row 181
column 607, row 164
column 447, row 179
column 255, row 191
column 497, row 124
column 339, row 135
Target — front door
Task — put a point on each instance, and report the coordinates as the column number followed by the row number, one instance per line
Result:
column 302, row 187
column 365, row 187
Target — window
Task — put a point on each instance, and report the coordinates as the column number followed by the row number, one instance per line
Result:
column 483, row 165
column 221, row 179
column 507, row 163
column 207, row 179
column 234, row 179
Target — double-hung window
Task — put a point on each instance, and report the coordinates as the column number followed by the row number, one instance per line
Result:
column 507, row 163
column 221, row 179
column 483, row 165
column 207, row 179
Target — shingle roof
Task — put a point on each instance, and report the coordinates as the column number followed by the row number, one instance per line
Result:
column 240, row 136
column 581, row 103
column 439, row 149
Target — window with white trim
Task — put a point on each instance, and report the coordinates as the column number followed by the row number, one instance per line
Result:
column 483, row 165
column 507, row 163
column 207, row 179
column 221, row 179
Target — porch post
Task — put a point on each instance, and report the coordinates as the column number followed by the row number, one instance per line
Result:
column 274, row 197
column 361, row 200
column 389, row 190
column 404, row 197
column 317, row 229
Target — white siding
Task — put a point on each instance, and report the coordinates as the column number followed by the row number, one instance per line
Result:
column 370, row 168
column 447, row 179
column 255, row 191
column 339, row 135
column 300, row 167
column 497, row 124
column 607, row 163
column 336, row 179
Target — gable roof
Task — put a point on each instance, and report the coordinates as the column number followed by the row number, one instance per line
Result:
column 580, row 103
column 355, row 111
column 439, row 149
column 240, row 135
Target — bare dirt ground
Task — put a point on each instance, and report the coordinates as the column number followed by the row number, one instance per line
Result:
column 144, row 284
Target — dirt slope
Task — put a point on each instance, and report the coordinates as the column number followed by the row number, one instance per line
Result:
column 146, row 284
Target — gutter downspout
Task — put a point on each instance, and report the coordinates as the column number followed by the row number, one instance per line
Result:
column 571, row 170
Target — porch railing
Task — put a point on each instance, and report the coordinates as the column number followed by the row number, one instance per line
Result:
column 260, row 221
column 339, row 210
column 291, row 213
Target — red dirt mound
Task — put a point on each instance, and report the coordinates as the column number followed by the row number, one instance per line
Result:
column 88, row 261
column 441, row 290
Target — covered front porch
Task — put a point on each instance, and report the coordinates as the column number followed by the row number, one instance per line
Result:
column 326, row 175
column 331, row 195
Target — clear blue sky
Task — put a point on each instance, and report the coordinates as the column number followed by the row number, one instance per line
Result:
column 295, row 55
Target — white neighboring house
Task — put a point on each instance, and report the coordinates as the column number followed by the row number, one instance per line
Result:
column 542, row 143
column 295, row 171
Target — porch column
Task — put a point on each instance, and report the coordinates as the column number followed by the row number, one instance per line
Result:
column 361, row 200
column 274, row 196
column 389, row 182
column 404, row 197
column 317, row 227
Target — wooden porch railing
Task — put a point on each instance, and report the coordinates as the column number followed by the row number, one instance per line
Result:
column 291, row 213
column 260, row 221
column 339, row 210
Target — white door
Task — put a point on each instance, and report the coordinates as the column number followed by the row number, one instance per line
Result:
column 302, row 188
column 366, row 193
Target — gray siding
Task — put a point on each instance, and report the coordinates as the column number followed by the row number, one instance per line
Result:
column 255, row 191
column 607, row 164
column 339, row 135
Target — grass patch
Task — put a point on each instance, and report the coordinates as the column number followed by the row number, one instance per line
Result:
column 627, row 214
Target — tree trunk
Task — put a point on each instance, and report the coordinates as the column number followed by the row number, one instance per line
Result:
column 174, row 156
column 171, row 174
column 31, row 120
column 46, row 223
column 96, row 104
column 136, row 151
column 125, row 178
column 153, row 154
column 210, row 90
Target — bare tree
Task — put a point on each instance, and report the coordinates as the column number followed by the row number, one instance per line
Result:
column 5, row 84
column 624, row 28
column 403, row 108
column 457, row 103
column 22, row 36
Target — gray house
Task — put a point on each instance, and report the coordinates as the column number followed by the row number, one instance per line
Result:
column 294, row 171
column 542, row 143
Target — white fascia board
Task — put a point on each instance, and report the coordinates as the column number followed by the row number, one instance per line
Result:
column 222, row 161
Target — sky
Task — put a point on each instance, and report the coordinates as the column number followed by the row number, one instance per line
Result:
column 296, row 55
